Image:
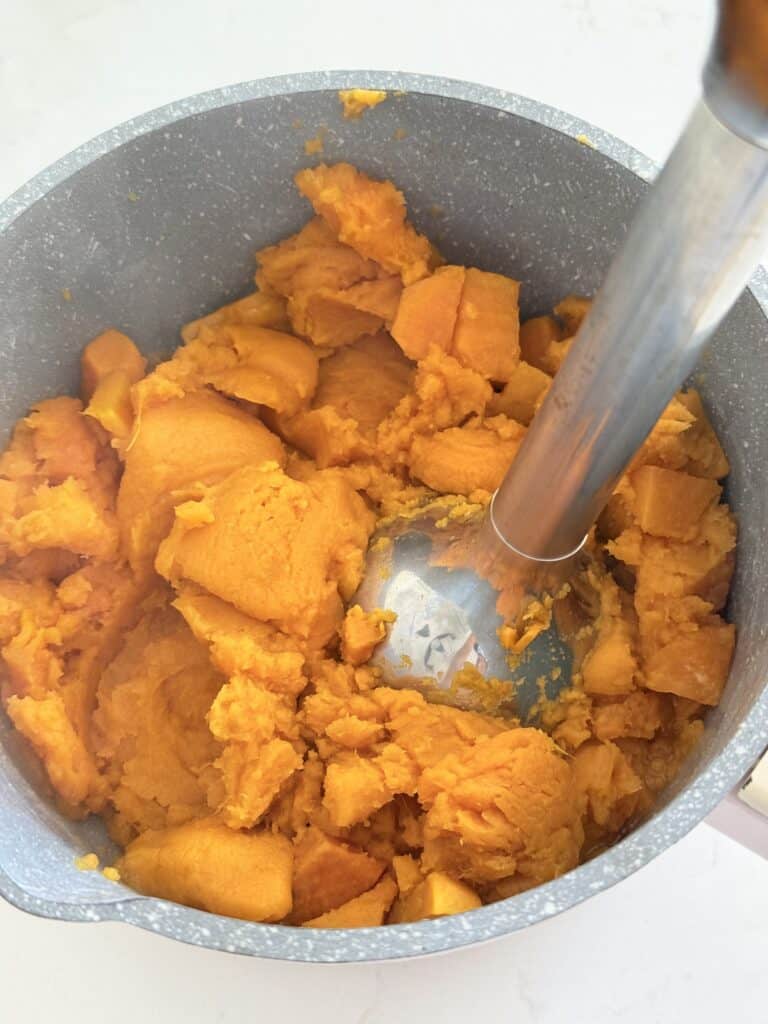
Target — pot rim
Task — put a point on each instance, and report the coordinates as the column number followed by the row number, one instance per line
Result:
column 498, row 919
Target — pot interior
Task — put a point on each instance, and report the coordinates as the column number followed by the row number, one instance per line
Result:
column 163, row 228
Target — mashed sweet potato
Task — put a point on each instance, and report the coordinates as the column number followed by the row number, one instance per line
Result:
column 178, row 556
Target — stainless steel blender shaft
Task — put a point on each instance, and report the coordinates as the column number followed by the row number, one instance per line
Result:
column 694, row 243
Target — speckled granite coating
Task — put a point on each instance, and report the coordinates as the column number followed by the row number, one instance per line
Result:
column 155, row 222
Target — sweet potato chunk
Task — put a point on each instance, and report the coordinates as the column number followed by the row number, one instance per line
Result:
column 618, row 515
column 610, row 787
column 610, row 666
column 327, row 437
column 204, row 864
column 445, row 394
column 68, row 762
column 297, row 552
column 522, row 394
column 358, row 386
column 488, row 325
column 242, row 646
column 481, row 827
column 176, row 446
column 150, row 725
column 256, row 364
column 262, row 748
column 536, row 336
column 471, row 314
column 381, row 297
column 705, row 455
column 362, row 631
column 656, row 762
column 328, row 873
column 331, row 319
column 364, row 381
column 335, row 295
column 460, row 460
column 408, row 873
column 110, row 404
column 542, row 344
column 356, row 787
column 669, row 503
column 714, row 586
column 366, row 911
column 638, row 715
column 110, row 351
column 571, row 312
column 55, row 442
column 428, row 312
column 667, row 570
column 335, row 318
column 369, row 216
column 436, row 896
column 260, row 309
column 693, row 665
column 310, row 261
column 61, row 515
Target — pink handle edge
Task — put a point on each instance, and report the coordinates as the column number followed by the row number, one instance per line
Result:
column 741, row 822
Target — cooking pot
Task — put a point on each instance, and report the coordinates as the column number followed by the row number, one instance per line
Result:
column 155, row 222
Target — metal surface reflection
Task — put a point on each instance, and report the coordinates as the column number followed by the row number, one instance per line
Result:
column 453, row 587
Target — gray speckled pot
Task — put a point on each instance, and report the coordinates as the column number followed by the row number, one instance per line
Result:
column 155, row 222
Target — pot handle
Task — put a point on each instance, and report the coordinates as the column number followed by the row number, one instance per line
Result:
column 743, row 815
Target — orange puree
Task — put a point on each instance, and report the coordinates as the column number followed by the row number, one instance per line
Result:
column 178, row 558
column 355, row 102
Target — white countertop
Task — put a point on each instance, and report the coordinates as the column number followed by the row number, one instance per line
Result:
column 686, row 938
